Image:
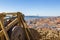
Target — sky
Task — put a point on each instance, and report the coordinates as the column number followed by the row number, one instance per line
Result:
column 31, row 7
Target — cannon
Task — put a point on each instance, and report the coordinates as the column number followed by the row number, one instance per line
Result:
column 14, row 27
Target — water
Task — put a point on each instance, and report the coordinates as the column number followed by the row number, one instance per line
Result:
column 34, row 17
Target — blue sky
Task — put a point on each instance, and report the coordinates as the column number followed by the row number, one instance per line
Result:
column 32, row 7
